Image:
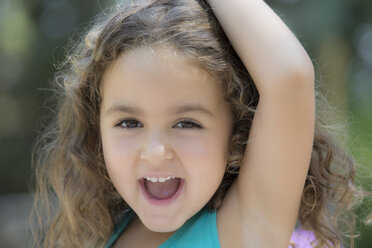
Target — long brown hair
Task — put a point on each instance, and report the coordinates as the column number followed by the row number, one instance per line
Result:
column 76, row 204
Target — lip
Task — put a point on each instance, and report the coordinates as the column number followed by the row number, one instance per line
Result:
column 161, row 202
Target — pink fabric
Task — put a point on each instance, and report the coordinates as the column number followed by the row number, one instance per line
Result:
column 302, row 238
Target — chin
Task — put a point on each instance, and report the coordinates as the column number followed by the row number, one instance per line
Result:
column 163, row 228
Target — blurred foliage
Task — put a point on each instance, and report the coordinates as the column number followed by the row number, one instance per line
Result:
column 33, row 36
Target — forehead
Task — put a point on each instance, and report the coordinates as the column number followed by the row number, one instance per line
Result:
column 155, row 77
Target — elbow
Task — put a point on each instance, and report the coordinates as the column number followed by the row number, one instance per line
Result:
column 300, row 68
column 302, row 77
column 300, row 71
column 299, row 76
column 295, row 74
column 306, row 71
column 298, row 80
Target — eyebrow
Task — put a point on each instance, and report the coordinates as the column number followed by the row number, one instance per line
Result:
column 175, row 110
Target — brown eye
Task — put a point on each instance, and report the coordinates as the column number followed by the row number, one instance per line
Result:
column 130, row 123
column 188, row 125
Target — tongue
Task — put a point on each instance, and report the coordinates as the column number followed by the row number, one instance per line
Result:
column 162, row 191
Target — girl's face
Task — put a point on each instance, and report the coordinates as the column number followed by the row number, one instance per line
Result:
column 163, row 117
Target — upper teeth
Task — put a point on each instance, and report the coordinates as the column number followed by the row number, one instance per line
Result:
column 161, row 180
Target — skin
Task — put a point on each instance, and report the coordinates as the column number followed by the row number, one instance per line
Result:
column 155, row 82
column 265, row 198
column 260, row 209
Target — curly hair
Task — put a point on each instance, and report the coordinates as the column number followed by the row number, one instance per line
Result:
column 76, row 205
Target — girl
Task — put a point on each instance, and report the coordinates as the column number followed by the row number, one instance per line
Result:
column 171, row 134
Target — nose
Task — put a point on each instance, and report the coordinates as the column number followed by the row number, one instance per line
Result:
column 155, row 151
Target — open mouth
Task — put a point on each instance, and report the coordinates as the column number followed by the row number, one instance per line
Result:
column 161, row 192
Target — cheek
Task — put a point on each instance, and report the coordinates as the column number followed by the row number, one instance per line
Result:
column 203, row 154
column 118, row 152
column 119, row 158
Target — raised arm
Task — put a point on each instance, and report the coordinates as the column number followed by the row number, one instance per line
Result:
column 263, row 42
column 267, row 193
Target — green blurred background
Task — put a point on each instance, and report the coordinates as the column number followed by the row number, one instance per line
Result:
column 33, row 37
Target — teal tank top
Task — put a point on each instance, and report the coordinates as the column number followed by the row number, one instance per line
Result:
column 200, row 231
column 189, row 235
